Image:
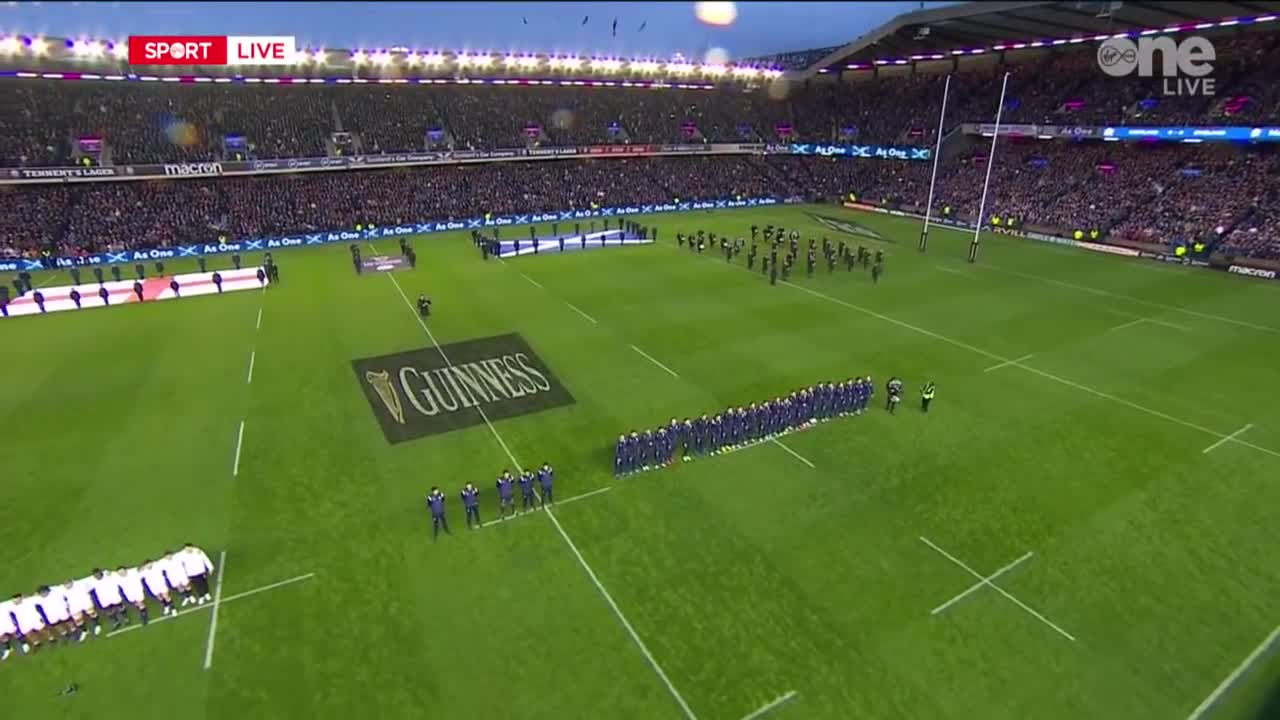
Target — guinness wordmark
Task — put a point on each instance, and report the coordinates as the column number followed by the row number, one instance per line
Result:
column 416, row 393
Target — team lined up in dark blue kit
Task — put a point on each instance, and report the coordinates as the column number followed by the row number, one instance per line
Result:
column 741, row 426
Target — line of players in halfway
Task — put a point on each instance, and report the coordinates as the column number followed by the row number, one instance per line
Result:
column 741, row 426
column 71, row 611
column 535, row 491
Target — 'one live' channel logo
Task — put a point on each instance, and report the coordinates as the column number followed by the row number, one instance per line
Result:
column 211, row 50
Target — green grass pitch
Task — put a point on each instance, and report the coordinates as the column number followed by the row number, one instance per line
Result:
column 792, row 571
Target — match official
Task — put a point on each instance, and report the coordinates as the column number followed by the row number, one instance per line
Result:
column 926, row 396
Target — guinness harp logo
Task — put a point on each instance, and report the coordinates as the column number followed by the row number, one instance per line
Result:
column 381, row 382
column 417, row 393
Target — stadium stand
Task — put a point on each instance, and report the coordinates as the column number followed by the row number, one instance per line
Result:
column 1145, row 193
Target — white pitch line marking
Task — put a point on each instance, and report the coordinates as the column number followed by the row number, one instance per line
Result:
column 1131, row 323
column 252, row 353
column 235, row 468
column 1007, row 363
column 1139, row 301
column 1230, row 437
column 1171, row 326
column 217, row 603
column 617, row 612
column 794, row 454
column 258, row 326
column 1235, row 676
column 670, row 372
column 771, row 706
column 225, row 600
column 1028, row 368
column 998, row 589
column 535, row 282
column 954, row 271
column 575, row 309
column 980, row 584
column 566, row 501
column 1041, row 373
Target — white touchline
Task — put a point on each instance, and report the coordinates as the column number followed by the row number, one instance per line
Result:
column 258, row 326
column 794, row 454
column 635, row 637
column 575, row 309
column 235, row 468
column 566, row 501
column 980, row 584
column 252, row 353
column 225, row 600
column 217, row 602
column 1007, row 363
column 535, row 282
column 998, row 589
column 1235, row 676
column 670, row 372
column 771, row 706
column 953, row 271
column 1232, row 436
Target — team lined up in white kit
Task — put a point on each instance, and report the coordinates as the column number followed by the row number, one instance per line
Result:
column 74, row 609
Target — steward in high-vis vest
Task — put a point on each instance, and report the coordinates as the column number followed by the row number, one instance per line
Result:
column 926, row 396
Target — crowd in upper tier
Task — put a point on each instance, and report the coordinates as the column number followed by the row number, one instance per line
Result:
column 1222, row 196
column 41, row 120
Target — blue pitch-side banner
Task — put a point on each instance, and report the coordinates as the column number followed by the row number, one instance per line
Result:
column 1208, row 134
column 885, row 152
column 378, row 233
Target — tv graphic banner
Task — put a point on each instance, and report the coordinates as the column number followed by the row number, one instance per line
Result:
column 378, row 233
column 383, row 263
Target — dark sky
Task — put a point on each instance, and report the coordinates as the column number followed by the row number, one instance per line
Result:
column 761, row 27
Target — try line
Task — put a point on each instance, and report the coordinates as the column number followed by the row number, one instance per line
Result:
column 582, row 561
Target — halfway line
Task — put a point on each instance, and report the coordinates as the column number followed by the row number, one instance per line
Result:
column 258, row 326
column 566, row 501
column 635, row 637
column 1007, row 363
column 771, row 706
column 252, row 353
column 1232, row 436
column 217, row 602
column 670, row 372
column 535, row 282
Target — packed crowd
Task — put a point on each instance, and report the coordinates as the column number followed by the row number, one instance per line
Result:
column 42, row 120
column 1153, row 193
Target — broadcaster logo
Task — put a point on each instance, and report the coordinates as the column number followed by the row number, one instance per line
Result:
column 1183, row 65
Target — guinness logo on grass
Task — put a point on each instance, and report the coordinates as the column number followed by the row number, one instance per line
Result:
column 847, row 227
column 418, row 393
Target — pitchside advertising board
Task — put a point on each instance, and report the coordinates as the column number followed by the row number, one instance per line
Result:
column 211, row 50
column 436, row 390
column 380, row 233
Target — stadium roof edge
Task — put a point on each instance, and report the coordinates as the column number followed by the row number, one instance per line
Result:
column 917, row 17
column 974, row 28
